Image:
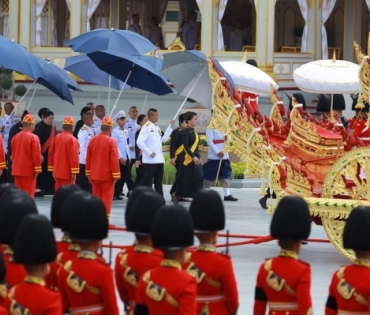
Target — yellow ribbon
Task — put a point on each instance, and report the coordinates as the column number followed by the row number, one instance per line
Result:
column 188, row 159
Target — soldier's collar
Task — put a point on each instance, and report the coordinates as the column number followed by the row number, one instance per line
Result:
column 7, row 250
column 288, row 254
column 143, row 249
column 87, row 255
column 171, row 263
column 74, row 248
column 34, row 280
column 206, row 248
column 362, row 262
column 66, row 239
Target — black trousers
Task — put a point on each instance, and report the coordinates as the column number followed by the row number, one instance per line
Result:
column 268, row 194
column 153, row 171
column 9, row 178
column 126, row 177
column 6, row 171
column 82, row 180
column 173, row 188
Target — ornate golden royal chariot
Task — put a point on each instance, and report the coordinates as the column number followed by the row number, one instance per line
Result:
column 297, row 157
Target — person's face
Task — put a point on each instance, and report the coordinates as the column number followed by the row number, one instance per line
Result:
column 89, row 121
column 154, row 117
column 133, row 113
column 121, row 122
column 48, row 120
column 136, row 19
column 154, row 22
column 193, row 122
column 364, row 114
column 183, row 125
column 92, row 106
column 144, row 121
column 9, row 109
column 339, row 112
column 100, row 112
column 193, row 17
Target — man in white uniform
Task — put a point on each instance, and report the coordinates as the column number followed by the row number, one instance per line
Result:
column 154, row 33
column 191, row 32
column 99, row 115
column 131, row 126
column 135, row 26
column 237, row 37
column 121, row 135
column 86, row 133
column 150, row 142
column 6, row 123
column 226, row 29
column 216, row 144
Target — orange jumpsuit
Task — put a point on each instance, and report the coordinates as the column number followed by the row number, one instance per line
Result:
column 129, row 267
column 217, row 292
column 32, row 297
column 86, row 286
column 362, row 131
column 102, row 168
column 284, row 284
column 2, row 154
column 167, row 290
column 349, row 291
column 26, row 160
column 63, row 159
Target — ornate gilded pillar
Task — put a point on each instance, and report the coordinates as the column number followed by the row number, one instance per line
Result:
column 14, row 7
column 25, row 27
column 208, row 33
column 265, row 35
column 76, row 17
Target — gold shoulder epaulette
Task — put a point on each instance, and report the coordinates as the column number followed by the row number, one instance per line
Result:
column 83, row 128
column 147, row 124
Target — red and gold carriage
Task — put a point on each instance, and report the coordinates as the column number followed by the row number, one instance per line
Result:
column 325, row 165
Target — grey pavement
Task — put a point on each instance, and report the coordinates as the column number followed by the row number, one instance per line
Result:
column 244, row 217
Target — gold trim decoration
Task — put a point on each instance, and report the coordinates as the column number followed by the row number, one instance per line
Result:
column 177, row 45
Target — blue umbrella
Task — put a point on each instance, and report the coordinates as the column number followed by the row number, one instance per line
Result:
column 128, row 42
column 16, row 57
column 135, row 71
column 83, row 67
column 194, row 81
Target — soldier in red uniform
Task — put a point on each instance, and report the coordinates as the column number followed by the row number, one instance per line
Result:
column 15, row 205
column 2, row 156
column 362, row 130
column 352, row 121
column 86, row 282
column 63, row 155
column 131, row 265
column 217, row 292
column 283, row 282
column 101, row 164
column 26, row 156
column 3, row 288
column 168, row 289
column 349, row 291
column 60, row 221
column 35, row 248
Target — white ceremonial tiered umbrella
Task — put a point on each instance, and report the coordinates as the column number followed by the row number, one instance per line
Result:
column 248, row 78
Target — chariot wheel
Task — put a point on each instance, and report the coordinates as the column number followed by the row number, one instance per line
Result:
column 349, row 178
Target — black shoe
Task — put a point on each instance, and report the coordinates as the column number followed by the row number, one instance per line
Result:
column 304, row 242
column 117, row 198
column 263, row 204
column 122, row 194
column 128, row 195
column 40, row 193
column 230, row 198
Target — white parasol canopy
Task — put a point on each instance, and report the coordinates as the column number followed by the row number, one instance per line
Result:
column 248, row 78
column 328, row 77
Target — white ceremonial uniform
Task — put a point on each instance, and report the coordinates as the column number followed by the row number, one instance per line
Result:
column 226, row 30
column 191, row 34
column 215, row 148
column 9, row 122
column 131, row 126
column 135, row 28
column 154, row 35
column 84, row 136
column 237, row 40
column 150, row 140
column 121, row 136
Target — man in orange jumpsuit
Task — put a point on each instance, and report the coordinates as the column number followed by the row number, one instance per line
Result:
column 168, row 289
column 349, row 291
column 35, row 248
column 217, row 292
column 86, row 282
column 284, row 282
column 131, row 265
column 26, row 156
column 2, row 156
column 102, row 167
column 63, row 155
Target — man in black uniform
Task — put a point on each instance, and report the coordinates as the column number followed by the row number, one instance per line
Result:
column 176, row 147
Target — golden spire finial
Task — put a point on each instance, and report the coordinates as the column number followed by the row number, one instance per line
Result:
column 245, row 56
column 334, row 58
column 360, row 101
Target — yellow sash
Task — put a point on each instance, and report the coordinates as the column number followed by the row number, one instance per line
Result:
column 188, row 159
column 179, row 150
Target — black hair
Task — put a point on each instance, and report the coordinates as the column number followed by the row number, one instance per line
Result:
column 135, row 15
column 140, row 118
column 190, row 115
column 181, row 118
column 48, row 113
column 42, row 111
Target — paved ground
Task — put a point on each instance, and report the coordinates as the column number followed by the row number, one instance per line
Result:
column 246, row 217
